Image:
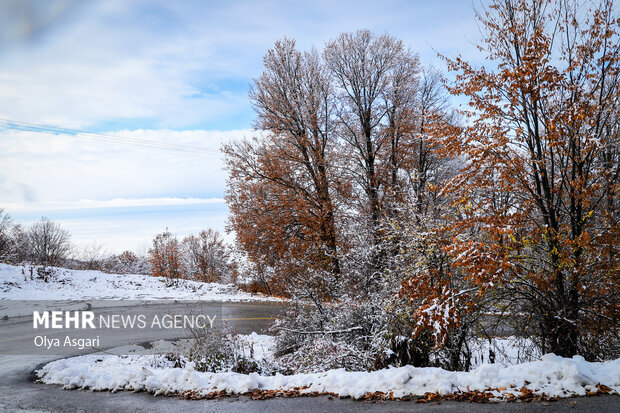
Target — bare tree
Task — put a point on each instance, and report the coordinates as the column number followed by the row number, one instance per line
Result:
column 92, row 256
column 205, row 256
column 6, row 242
column 376, row 78
column 48, row 243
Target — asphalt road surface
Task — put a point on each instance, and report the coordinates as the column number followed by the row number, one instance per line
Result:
column 17, row 335
column 20, row 393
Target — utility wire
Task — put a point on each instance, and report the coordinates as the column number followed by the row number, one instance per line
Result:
column 103, row 137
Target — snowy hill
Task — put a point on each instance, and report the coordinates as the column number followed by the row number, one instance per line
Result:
column 64, row 284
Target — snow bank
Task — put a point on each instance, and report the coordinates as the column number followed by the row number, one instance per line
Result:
column 552, row 375
column 15, row 284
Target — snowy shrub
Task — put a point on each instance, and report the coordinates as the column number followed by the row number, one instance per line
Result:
column 207, row 350
column 335, row 334
column 211, row 350
column 43, row 273
column 322, row 354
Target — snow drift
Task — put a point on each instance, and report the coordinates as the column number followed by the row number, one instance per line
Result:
column 552, row 376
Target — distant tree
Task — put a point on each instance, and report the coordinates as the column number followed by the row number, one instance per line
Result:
column 19, row 238
column 10, row 236
column 127, row 262
column 165, row 257
column 48, row 243
column 205, row 256
column 5, row 236
column 91, row 256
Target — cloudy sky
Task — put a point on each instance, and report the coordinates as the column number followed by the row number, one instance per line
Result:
column 175, row 72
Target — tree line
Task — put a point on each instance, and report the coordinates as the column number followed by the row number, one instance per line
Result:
column 46, row 244
column 204, row 257
column 413, row 225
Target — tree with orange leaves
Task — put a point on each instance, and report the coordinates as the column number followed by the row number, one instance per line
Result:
column 536, row 225
column 283, row 190
column 165, row 257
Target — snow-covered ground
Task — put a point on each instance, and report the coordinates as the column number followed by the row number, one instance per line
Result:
column 15, row 284
column 507, row 351
column 552, row 375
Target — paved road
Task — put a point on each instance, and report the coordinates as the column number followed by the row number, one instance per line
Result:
column 17, row 334
column 19, row 392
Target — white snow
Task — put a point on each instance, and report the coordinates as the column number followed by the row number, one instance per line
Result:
column 552, row 375
column 81, row 285
column 507, row 350
column 259, row 347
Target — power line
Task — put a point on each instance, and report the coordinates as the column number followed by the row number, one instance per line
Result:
column 102, row 137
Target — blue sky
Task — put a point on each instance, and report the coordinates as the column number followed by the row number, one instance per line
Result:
column 164, row 71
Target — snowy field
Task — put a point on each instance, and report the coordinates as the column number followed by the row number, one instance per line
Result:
column 15, row 284
column 551, row 375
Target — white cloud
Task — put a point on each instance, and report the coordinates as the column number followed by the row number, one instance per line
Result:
column 110, row 203
column 134, row 228
column 107, row 63
column 41, row 169
column 182, row 64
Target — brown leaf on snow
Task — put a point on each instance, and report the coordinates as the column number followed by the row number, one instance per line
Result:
column 603, row 389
